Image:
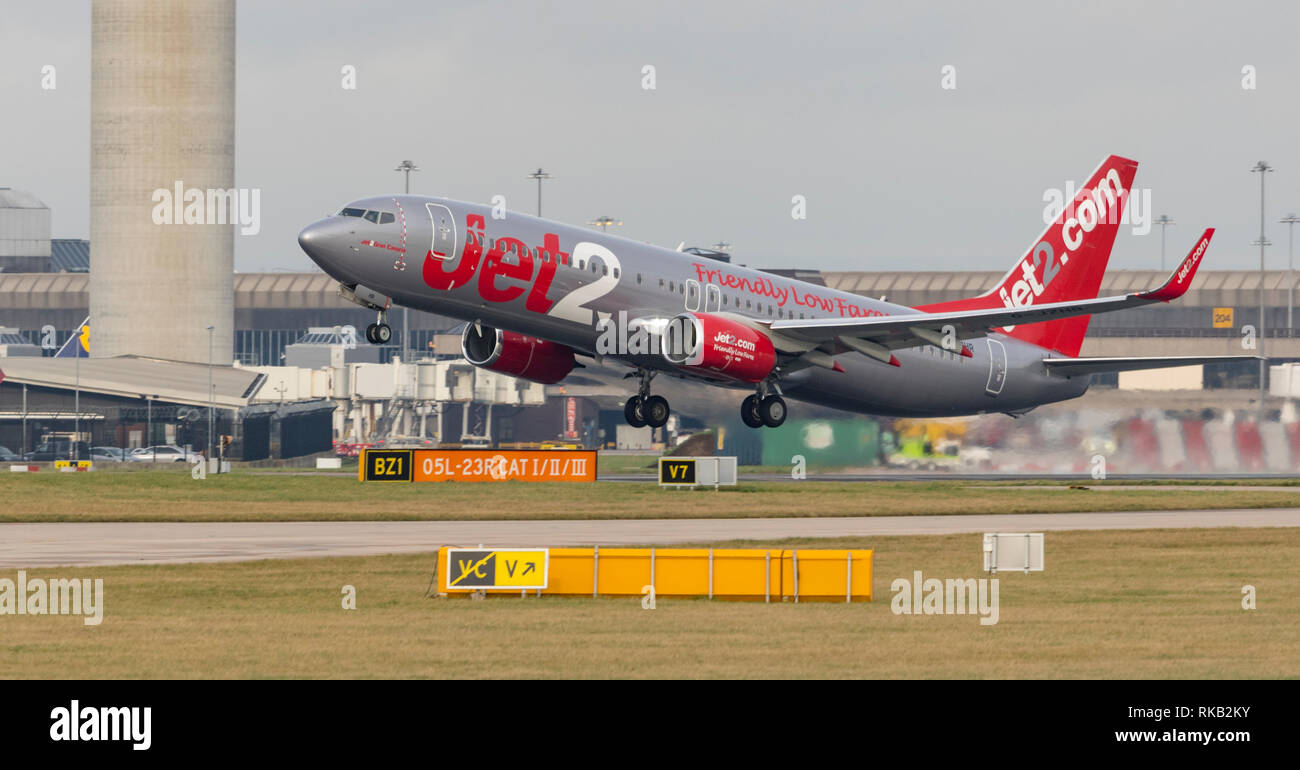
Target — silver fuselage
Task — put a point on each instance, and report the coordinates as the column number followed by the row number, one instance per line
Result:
column 603, row 275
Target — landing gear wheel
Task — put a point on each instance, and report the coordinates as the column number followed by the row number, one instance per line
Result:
column 382, row 334
column 632, row 412
column 370, row 333
column 772, row 411
column 749, row 412
column 655, row 410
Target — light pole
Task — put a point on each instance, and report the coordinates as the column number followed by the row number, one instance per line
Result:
column 1289, row 220
column 539, row 175
column 1263, row 168
column 208, row 458
column 604, row 222
column 407, row 167
column 76, row 398
column 1164, row 221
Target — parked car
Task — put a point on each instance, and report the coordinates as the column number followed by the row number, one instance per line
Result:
column 163, row 453
column 8, row 456
column 59, row 449
column 107, row 454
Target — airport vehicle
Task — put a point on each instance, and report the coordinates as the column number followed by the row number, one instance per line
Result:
column 58, row 449
column 110, row 454
column 7, row 455
column 163, row 453
column 538, row 293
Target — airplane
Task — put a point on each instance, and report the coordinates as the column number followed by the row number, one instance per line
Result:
column 538, row 293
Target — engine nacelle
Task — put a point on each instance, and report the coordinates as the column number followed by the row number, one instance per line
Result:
column 719, row 347
column 516, row 354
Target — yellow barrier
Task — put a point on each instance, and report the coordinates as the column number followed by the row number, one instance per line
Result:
column 732, row 574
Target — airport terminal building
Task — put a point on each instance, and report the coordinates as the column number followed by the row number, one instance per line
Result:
column 291, row 358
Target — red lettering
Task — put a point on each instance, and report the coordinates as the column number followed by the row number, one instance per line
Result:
column 551, row 245
column 537, row 301
column 437, row 278
column 495, row 266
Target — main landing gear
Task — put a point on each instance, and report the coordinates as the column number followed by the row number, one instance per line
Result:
column 644, row 409
column 379, row 333
column 763, row 409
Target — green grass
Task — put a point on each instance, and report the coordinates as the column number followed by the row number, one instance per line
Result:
column 611, row 465
column 1155, row 603
column 173, row 496
column 277, row 497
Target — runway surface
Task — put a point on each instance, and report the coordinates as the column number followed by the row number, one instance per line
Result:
column 46, row 545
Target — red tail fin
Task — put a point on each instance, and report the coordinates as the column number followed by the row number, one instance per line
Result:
column 1066, row 263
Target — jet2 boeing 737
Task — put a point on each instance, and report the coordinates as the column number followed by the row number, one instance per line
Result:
column 537, row 293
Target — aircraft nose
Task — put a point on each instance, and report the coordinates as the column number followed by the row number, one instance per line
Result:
column 313, row 236
column 323, row 242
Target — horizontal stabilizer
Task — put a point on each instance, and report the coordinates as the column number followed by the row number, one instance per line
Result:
column 1075, row 367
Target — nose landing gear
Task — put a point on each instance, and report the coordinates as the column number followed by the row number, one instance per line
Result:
column 379, row 333
column 644, row 409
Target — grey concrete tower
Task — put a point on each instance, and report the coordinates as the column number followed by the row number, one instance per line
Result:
column 162, row 114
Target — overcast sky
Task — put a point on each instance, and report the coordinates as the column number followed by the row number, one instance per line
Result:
column 754, row 103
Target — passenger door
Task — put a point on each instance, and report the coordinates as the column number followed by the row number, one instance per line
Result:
column 997, row 367
column 443, row 243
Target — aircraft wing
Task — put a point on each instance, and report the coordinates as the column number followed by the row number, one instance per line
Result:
column 874, row 335
column 1075, row 367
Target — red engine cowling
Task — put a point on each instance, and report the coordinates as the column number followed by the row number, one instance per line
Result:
column 720, row 347
column 516, row 354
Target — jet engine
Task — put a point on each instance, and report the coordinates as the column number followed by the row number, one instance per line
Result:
column 516, row 354
column 718, row 347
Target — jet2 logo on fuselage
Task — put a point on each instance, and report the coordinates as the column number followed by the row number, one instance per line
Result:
column 532, row 272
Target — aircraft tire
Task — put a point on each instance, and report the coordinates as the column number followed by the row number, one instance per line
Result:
column 656, row 411
column 749, row 412
column 772, row 411
column 632, row 412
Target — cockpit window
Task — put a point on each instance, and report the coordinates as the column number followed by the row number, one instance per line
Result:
column 352, row 212
column 372, row 216
column 386, row 218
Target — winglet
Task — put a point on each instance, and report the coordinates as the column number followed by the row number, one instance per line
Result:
column 1182, row 276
